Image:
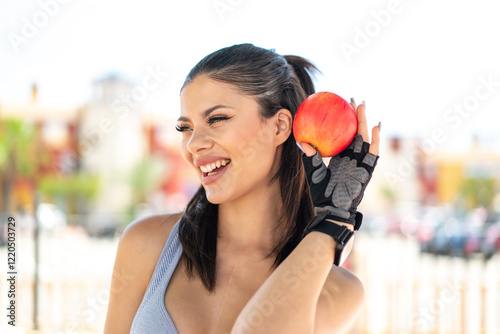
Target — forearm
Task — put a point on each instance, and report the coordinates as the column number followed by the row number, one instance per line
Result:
column 286, row 302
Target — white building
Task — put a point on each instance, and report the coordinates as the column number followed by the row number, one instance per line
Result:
column 112, row 140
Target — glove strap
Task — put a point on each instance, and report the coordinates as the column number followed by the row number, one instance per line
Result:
column 357, row 220
column 341, row 234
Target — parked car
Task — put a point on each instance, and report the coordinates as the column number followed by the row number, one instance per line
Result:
column 471, row 241
column 491, row 242
column 460, row 237
column 440, row 243
column 432, row 220
column 454, row 237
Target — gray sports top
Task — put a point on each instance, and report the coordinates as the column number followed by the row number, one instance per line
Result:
column 152, row 316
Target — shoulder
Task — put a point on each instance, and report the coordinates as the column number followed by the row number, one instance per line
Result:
column 138, row 251
column 340, row 301
column 150, row 228
column 140, row 247
column 147, row 236
column 141, row 244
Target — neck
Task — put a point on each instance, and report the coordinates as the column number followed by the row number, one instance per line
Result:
column 248, row 224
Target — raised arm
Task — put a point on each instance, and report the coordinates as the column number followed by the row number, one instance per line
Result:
column 306, row 294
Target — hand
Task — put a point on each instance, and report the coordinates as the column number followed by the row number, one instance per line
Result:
column 339, row 188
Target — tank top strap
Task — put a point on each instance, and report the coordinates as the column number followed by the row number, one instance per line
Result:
column 152, row 316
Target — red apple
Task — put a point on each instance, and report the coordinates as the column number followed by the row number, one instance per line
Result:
column 326, row 121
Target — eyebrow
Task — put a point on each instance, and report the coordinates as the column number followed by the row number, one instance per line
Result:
column 205, row 113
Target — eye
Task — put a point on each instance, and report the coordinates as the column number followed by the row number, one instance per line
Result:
column 215, row 119
column 181, row 128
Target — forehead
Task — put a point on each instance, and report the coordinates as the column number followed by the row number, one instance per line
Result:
column 204, row 93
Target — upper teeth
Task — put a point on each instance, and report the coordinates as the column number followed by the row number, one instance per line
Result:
column 209, row 167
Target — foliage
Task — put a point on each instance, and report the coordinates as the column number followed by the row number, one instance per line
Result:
column 17, row 147
column 388, row 193
column 72, row 185
column 477, row 191
column 145, row 177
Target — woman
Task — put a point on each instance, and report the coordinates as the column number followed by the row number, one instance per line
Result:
column 236, row 260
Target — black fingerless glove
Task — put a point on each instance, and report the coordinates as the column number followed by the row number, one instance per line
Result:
column 339, row 188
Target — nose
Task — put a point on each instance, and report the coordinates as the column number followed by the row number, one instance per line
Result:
column 199, row 141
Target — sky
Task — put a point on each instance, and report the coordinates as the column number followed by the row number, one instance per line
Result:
column 425, row 68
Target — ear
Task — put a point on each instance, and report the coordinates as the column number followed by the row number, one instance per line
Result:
column 284, row 122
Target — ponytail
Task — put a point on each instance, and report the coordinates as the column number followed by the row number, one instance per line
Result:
column 303, row 69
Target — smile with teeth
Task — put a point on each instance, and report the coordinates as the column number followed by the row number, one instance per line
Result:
column 211, row 169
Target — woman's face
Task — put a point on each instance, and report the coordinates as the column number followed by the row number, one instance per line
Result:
column 232, row 150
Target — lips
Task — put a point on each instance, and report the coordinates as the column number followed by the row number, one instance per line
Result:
column 211, row 177
column 214, row 165
column 215, row 170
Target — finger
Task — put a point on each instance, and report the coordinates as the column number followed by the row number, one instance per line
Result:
column 307, row 149
column 353, row 104
column 374, row 146
column 362, row 126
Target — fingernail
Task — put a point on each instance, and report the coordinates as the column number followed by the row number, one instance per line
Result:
column 379, row 126
column 300, row 147
column 363, row 103
column 352, row 100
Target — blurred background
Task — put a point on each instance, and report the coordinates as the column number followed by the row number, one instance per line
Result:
column 89, row 95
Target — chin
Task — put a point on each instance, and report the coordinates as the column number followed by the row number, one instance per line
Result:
column 215, row 196
column 219, row 191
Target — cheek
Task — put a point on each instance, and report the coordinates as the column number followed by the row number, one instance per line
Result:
column 185, row 153
column 255, row 145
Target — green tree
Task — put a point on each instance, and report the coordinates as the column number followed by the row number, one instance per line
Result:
column 20, row 154
column 74, row 189
column 144, row 177
column 477, row 191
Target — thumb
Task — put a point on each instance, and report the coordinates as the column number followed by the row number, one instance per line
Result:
column 307, row 149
